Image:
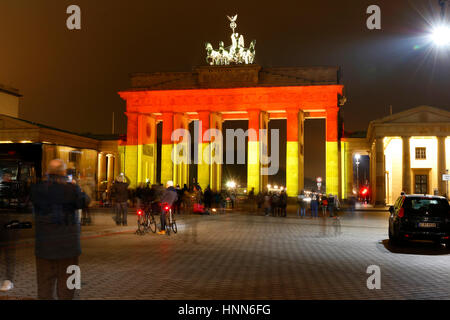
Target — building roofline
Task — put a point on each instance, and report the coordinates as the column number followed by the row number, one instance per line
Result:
column 9, row 90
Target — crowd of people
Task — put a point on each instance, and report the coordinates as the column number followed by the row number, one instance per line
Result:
column 189, row 200
column 316, row 202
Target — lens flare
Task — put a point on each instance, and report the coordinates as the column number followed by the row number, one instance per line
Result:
column 441, row 35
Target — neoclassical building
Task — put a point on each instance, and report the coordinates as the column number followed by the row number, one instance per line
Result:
column 409, row 151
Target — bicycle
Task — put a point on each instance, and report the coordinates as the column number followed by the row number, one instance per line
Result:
column 171, row 223
column 146, row 220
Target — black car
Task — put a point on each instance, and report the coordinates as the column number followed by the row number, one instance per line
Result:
column 420, row 217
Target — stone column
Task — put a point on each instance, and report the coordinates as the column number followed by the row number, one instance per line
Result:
column 131, row 150
column 203, row 157
column 253, row 161
column 380, row 187
column 406, row 176
column 264, row 151
column 292, row 153
column 182, row 153
column 301, row 150
column 216, row 152
column 441, row 165
column 332, row 152
column 166, row 148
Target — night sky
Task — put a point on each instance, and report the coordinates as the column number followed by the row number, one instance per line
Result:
column 70, row 79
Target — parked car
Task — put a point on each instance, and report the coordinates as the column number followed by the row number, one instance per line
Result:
column 420, row 217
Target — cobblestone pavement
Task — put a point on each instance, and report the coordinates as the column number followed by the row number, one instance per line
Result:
column 245, row 256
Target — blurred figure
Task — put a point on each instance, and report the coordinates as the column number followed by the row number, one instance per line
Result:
column 251, row 199
column 57, row 246
column 331, row 204
column 119, row 192
column 169, row 197
column 186, row 200
column 301, row 210
column 314, row 205
column 207, row 195
column 352, row 203
column 324, row 205
column 267, row 204
column 283, row 203
column 275, row 204
column 260, row 201
column 8, row 237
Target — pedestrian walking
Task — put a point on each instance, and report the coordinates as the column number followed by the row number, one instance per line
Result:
column 57, row 246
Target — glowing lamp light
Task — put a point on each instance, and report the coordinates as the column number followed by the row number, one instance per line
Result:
column 231, row 184
column 139, row 212
column 166, row 208
column 269, row 186
column 441, row 36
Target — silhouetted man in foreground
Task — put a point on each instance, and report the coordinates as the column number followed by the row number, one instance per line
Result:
column 55, row 204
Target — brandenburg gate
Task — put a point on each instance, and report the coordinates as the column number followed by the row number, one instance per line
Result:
column 230, row 87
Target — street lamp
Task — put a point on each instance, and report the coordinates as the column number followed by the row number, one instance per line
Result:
column 440, row 34
column 231, row 184
column 357, row 157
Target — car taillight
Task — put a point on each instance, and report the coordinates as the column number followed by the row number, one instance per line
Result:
column 139, row 212
column 401, row 213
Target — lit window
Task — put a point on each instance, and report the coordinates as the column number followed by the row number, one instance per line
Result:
column 421, row 153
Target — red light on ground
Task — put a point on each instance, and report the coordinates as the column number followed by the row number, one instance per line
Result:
column 406, row 235
column 11, row 153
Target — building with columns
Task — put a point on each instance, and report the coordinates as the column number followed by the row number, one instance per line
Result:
column 212, row 94
column 409, row 151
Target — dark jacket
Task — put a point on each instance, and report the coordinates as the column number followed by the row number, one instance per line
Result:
column 119, row 191
column 55, row 205
column 169, row 196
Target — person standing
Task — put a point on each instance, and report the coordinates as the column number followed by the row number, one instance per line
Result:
column 301, row 210
column 324, row 205
column 283, row 203
column 119, row 192
column 251, row 200
column 267, row 204
column 314, row 205
column 56, row 203
column 331, row 204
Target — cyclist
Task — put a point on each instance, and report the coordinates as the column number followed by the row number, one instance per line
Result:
column 169, row 197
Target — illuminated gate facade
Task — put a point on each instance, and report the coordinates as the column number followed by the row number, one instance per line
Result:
column 213, row 94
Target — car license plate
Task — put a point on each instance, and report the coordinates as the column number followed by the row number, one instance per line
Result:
column 427, row 225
